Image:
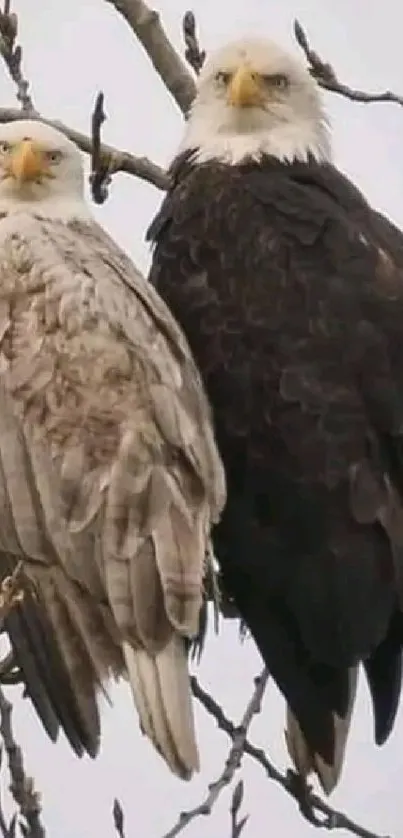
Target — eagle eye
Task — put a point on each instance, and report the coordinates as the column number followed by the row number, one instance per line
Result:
column 279, row 80
column 53, row 156
column 223, row 78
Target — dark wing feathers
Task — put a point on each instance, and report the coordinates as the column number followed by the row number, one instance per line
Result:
column 26, row 645
column 383, row 671
column 290, row 290
column 38, row 655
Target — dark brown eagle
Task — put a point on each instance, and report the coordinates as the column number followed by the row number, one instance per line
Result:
column 289, row 288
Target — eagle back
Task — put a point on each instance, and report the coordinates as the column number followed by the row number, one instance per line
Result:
column 273, row 271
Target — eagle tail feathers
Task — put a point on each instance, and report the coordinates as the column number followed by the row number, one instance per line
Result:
column 383, row 671
column 155, row 541
column 306, row 760
column 161, row 690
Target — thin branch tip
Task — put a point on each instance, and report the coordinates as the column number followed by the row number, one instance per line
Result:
column 234, row 758
column 12, row 55
column 327, row 78
column 237, row 825
column 307, row 802
column 195, row 56
column 100, row 177
column 118, row 818
column 123, row 161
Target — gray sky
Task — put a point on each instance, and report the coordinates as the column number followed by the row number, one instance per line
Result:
column 72, row 50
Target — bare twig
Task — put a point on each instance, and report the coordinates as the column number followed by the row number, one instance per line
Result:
column 22, row 786
column 7, row 831
column 118, row 818
column 237, row 826
column 145, row 23
column 195, row 56
column 100, row 176
column 232, row 763
column 332, row 820
column 327, row 78
column 123, row 161
column 105, row 161
column 12, row 55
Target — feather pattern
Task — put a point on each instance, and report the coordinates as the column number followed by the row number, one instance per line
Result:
column 110, row 481
column 290, row 290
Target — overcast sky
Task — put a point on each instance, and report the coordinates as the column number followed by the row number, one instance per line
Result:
column 72, row 49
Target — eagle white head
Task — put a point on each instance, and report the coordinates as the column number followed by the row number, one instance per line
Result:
column 254, row 98
column 41, row 171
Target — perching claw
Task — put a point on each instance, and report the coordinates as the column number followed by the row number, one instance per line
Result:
column 10, row 593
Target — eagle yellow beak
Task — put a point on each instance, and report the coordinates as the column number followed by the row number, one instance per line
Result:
column 26, row 162
column 244, row 89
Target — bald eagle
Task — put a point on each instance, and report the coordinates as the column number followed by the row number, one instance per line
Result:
column 110, row 478
column 289, row 288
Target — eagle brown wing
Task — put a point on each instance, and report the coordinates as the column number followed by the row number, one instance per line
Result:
column 109, row 483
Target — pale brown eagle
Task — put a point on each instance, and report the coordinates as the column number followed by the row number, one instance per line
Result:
column 109, row 475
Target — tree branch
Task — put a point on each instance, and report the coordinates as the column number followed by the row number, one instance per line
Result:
column 123, row 161
column 145, row 23
column 326, row 76
column 233, row 760
column 22, row 786
column 6, row 831
column 12, row 56
column 333, row 819
column 105, row 161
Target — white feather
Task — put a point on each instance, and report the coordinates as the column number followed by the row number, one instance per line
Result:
column 161, row 690
column 289, row 126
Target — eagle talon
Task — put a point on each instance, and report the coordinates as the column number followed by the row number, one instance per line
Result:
column 302, row 791
column 10, row 594
column 10, row 673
